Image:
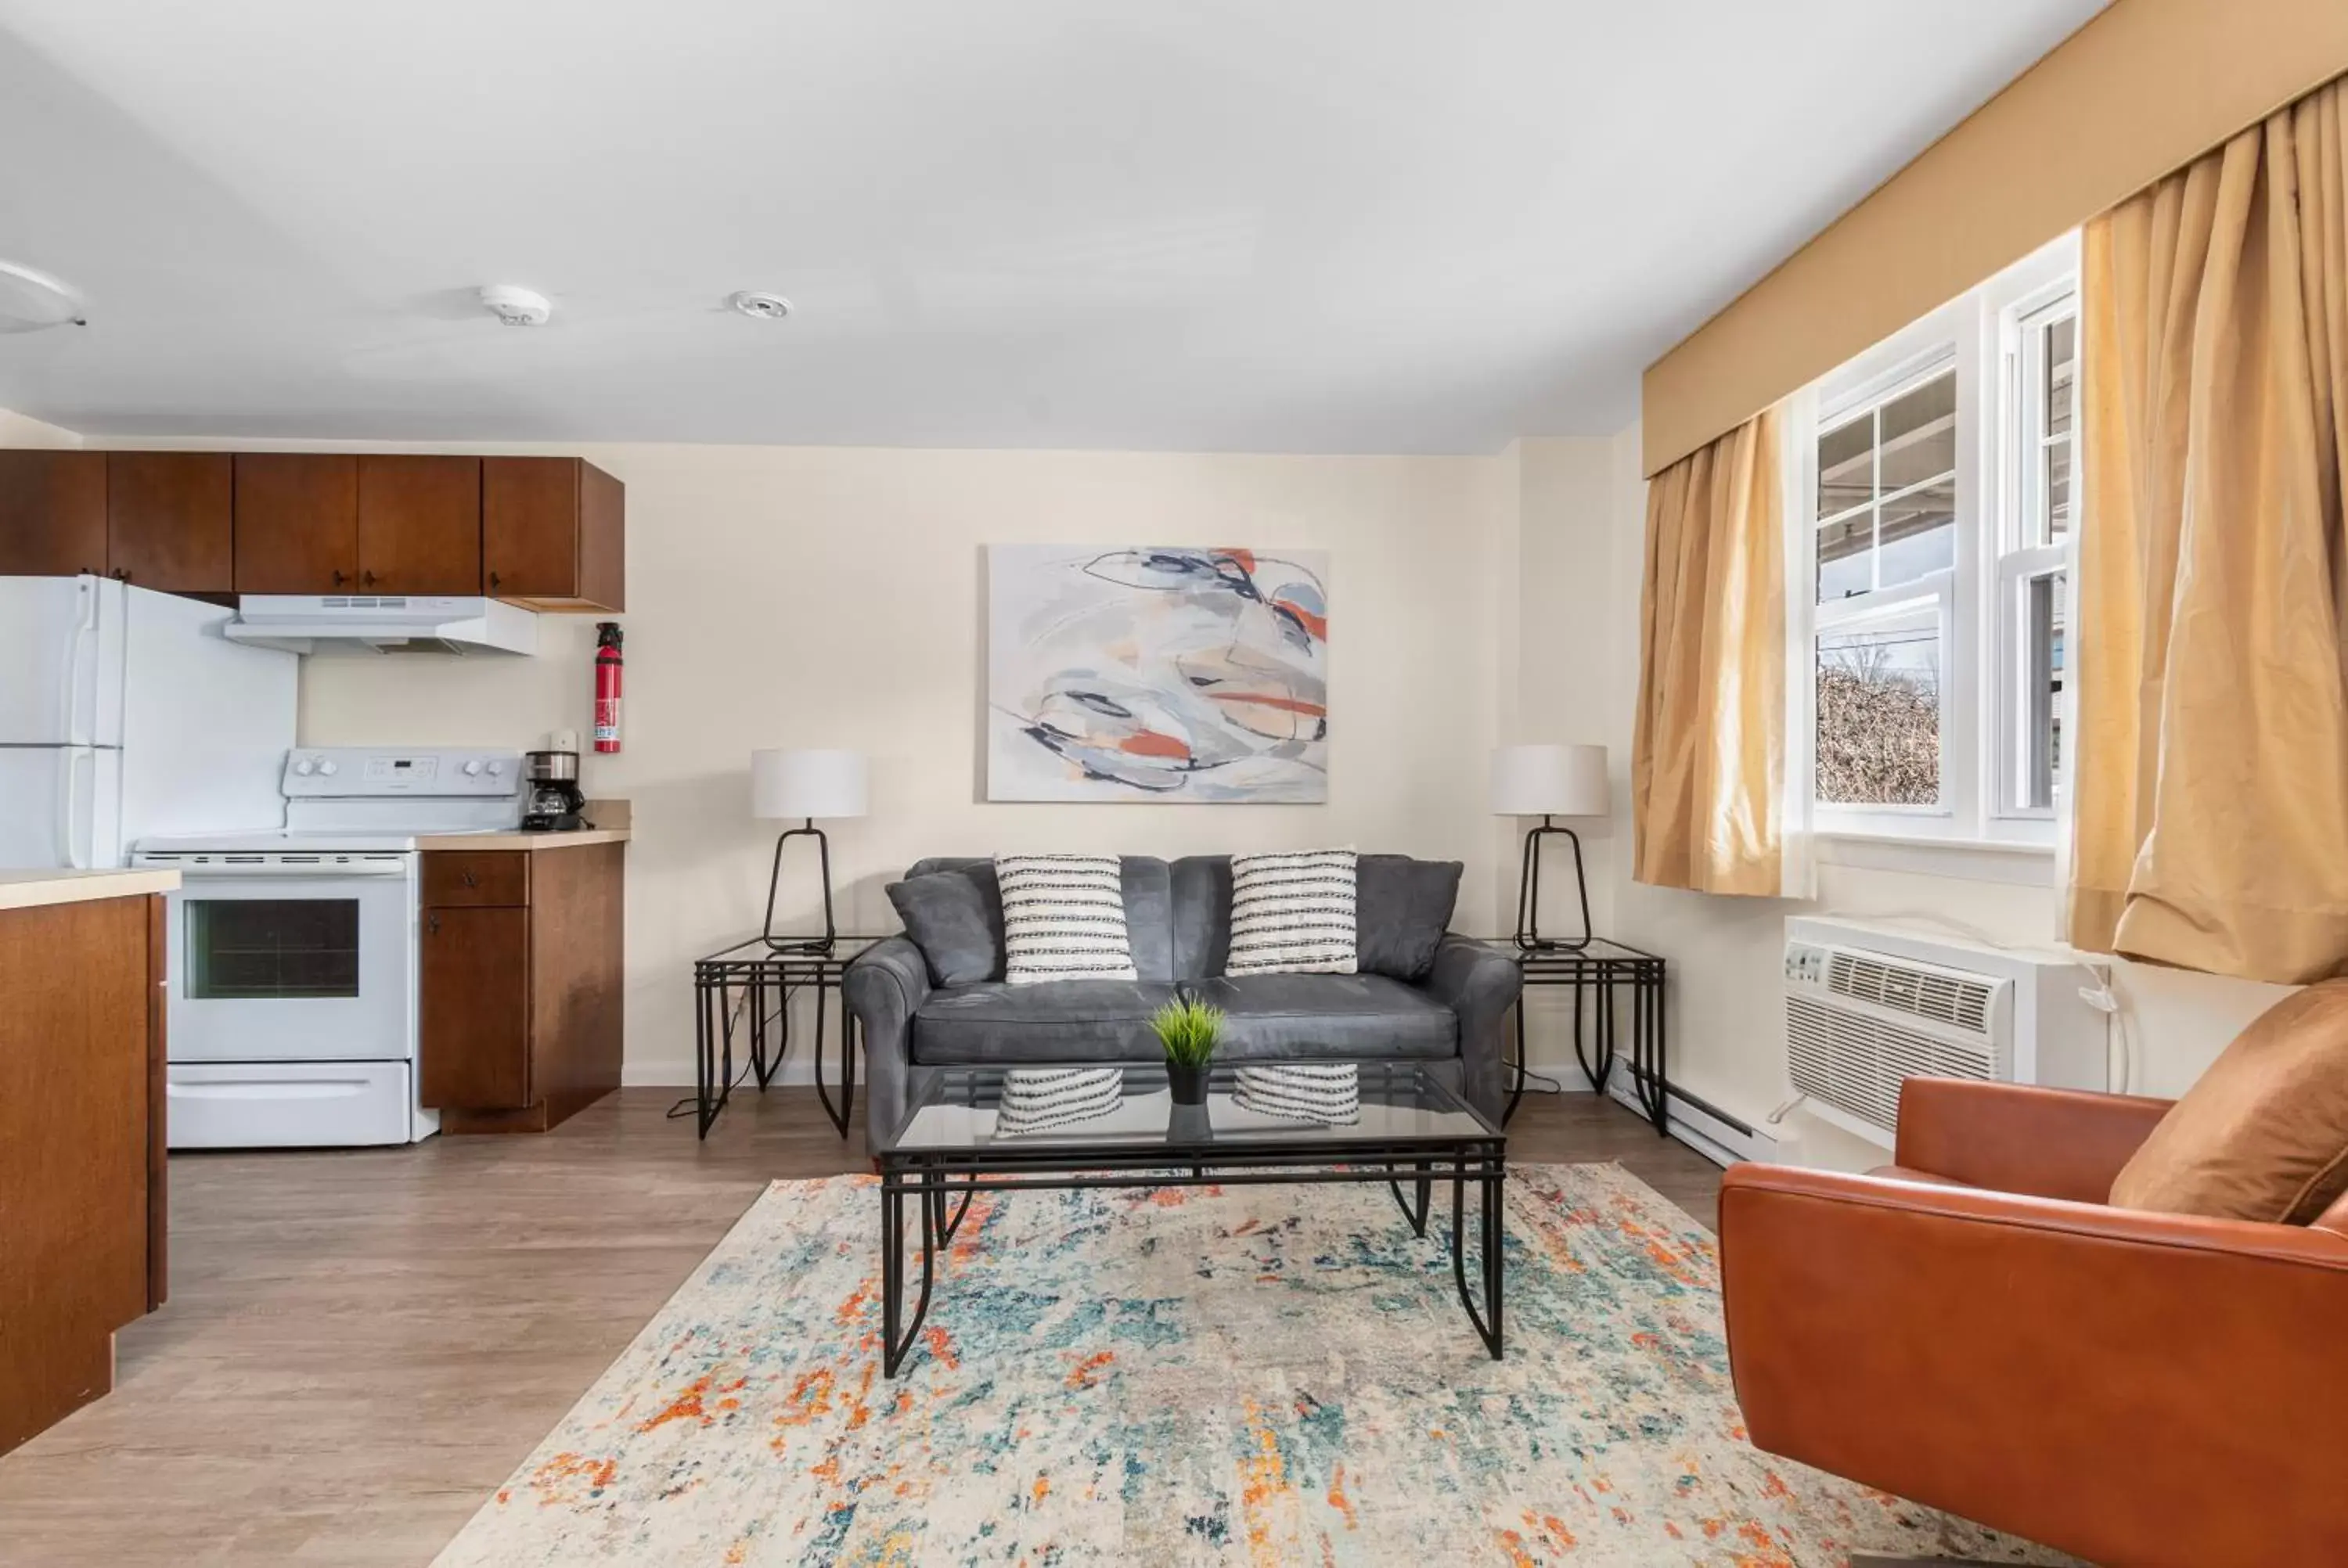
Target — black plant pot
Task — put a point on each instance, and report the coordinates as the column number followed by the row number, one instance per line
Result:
column 1189, row 1083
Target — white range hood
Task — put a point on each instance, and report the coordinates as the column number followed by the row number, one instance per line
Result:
column 383, row 623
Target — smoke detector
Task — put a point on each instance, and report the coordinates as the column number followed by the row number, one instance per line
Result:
column 764, row 306
column 516, row 307
column 32, row 300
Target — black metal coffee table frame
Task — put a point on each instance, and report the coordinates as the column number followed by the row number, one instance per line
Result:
column 933, row 1180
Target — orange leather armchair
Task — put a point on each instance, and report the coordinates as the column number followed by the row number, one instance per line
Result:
column 1974, row 1328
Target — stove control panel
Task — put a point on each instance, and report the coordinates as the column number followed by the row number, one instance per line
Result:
column 354, row 772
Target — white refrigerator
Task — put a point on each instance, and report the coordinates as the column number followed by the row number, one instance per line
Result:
column 125, row 714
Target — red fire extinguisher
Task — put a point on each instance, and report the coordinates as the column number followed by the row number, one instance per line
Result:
column 607, row 685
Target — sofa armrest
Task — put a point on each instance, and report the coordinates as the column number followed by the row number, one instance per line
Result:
column 2132, row 1387
column 1480, row 984
column 2013, row 1138
column 884, row 986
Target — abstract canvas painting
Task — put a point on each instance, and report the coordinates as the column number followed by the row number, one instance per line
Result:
column 1157, row 672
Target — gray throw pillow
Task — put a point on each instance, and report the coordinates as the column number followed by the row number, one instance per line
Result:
column 955, row 917
column 1402, row 906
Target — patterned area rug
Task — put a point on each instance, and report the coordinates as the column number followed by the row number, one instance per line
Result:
column 1260, row 1375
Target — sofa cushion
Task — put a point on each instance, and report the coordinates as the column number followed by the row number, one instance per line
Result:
column 1402, row 906
column 1291, row 912
column 955, row 917
column 2264, row 1134
column 1303, row 1016
column 1201, row 916
column 1056, row 1021
column 1064, row 918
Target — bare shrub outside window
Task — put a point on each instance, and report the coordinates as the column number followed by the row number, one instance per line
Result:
column 1879, row 717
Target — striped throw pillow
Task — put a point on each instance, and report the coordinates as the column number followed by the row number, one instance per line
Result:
column 1062, row 919
column 1292, row 914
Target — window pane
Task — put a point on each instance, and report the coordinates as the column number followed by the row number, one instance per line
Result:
column 1847, row 558
column 2062, row 354
column 1847, row 466
column 1919, row 533
column 2057, row 458
column 1879, row 712
column 2042, row 689
column 1919, row 433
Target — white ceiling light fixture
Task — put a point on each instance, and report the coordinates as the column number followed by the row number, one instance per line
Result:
column 758, row 304
column 32, row 300
column 516, row 307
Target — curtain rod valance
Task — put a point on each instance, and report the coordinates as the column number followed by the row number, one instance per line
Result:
column 2140, row 90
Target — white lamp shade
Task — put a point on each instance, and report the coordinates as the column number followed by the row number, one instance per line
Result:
column 804, row 784
column 1549, row 780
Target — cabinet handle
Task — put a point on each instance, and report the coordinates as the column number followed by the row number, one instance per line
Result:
column 470, row 881
column 493, row 582
column 366, row 580
column 432, row 924
column 338, row 577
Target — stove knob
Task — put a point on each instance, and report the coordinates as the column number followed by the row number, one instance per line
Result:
column 328, row 767
column 472, row 767
column 304, row 767
column 496, row 768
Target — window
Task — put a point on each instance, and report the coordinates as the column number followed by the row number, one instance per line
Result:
column 1936, row 568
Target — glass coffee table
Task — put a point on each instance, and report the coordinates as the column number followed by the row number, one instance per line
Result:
column 1410, row 1128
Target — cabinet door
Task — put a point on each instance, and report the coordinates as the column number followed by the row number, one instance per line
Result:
column 298, row 522
column 419, row 525
column 168, row 520
column 475, row 1034
column 553, row 532
column 52, row 513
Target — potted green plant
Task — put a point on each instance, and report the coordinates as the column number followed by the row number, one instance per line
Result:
column 1190, row 1029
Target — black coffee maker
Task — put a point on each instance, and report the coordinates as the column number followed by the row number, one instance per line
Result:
column 554, row 801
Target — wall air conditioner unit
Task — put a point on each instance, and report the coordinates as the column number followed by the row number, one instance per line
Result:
column 1868, row 1006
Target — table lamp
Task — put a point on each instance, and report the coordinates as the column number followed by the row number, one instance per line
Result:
column 1548, row 782
column 806, row 784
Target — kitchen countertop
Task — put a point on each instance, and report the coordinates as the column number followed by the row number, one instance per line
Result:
column 611, row 818
column 30, row 889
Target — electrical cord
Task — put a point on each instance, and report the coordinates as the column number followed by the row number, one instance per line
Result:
column 687, row 1105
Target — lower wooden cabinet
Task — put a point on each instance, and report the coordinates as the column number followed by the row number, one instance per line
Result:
column 521, row 984
column 82, row 1216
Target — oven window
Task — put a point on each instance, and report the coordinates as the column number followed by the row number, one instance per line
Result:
column 260, row 950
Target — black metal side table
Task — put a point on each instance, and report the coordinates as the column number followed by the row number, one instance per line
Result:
column 764, row 977
column 1599, row 969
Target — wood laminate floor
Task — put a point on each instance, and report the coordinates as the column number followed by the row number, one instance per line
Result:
column 360, row 1345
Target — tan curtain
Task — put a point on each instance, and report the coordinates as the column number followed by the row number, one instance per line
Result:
column 2212, row 757
column 1708, row 754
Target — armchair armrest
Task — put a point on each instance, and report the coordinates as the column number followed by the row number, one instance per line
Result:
column 2132, row 1387
column 1480, row 985
column 884, row 986
column 2013, row 1138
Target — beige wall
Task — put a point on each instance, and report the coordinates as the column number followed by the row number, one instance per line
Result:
column 817, row 597
column 16, row 430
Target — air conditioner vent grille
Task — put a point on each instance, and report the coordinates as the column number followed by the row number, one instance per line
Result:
column 1858, row 1061
column 1958, row 1002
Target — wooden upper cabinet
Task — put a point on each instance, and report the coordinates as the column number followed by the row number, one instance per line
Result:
column 553, row 533
column 168, row 520
column 298, row 522
column 419, row 525
column 52, row 513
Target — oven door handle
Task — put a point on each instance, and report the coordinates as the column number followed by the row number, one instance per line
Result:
column 190, row 869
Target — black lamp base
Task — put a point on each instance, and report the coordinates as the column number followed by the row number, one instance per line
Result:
column 1529, row 935
column 822, row 944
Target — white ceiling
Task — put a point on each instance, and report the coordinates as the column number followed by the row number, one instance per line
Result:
column 1288, row 225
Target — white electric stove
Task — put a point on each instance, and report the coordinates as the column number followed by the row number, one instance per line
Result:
column 292, row 954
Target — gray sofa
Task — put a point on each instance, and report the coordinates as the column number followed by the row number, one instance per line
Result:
column 1425, row 994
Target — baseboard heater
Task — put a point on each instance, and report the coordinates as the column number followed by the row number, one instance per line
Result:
column 1701, row 1125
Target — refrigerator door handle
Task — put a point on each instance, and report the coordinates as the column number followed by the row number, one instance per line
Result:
column 69, row 849
column 84, row 627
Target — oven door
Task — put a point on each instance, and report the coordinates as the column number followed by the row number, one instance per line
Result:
column 292, row 958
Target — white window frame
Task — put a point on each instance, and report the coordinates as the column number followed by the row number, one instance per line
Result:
column 1978, row 597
